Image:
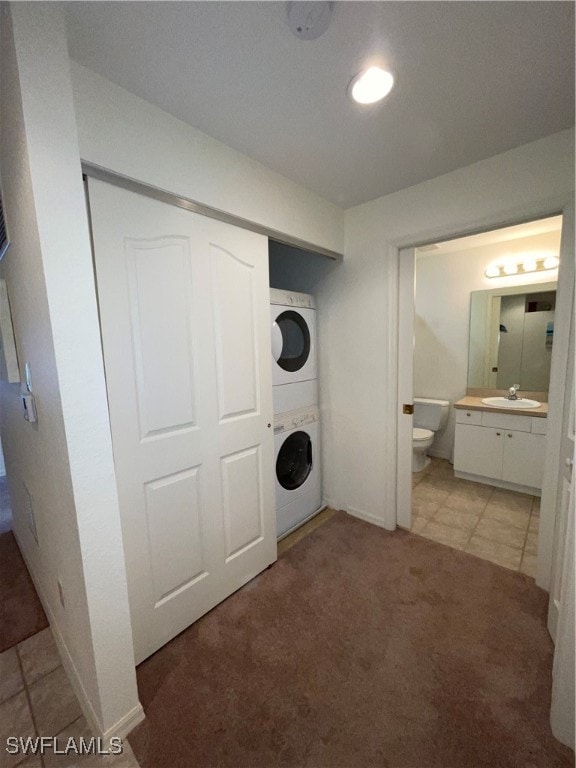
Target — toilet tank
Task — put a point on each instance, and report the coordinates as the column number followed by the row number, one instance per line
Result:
column 430, row 413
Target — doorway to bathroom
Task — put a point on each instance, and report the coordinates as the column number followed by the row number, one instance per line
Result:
column 555, row 557
column 484, row 321
column 455, row 319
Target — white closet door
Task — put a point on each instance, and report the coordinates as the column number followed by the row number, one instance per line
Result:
column 186, row 336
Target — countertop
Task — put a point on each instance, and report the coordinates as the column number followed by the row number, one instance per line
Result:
column 471, row 403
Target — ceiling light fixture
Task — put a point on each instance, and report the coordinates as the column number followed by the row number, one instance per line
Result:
column 523, row 266
column 371, row 85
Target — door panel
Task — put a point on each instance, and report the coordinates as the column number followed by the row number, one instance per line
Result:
column 184, row 305
column 173, row 518
column 234, row 312
column 241, row 498
column 162, row 345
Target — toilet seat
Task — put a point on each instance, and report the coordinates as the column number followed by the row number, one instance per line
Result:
column 421, row 434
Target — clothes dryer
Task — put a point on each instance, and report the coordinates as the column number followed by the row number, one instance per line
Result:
column 298, row 476
column 294, row 375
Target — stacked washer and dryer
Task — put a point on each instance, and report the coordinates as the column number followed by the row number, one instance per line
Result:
column 296, row 414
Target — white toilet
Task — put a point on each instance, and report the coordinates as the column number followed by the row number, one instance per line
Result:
column 429, row 417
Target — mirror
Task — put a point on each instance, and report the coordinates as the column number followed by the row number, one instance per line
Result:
column 511, row 336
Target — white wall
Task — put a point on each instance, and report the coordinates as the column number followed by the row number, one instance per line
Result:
column 358, row 357
column 444, row 282
column 65, row 459
column 124, row 133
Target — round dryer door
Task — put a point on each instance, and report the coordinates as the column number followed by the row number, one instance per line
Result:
column 294, row 462
column 290, row 341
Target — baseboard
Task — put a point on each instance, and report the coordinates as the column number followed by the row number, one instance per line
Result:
column 368, row 517
column 441, row 455
column 499, row 484
column 120, row 729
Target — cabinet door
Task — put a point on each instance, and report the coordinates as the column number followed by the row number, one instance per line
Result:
column 478, row 450
column 524, row 458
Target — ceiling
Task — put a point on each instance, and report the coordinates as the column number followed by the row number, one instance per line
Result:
column 493, row 236
column 473, row 79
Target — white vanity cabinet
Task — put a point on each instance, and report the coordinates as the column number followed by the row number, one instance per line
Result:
column 506, row 450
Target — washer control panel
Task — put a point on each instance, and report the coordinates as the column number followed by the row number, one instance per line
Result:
column 291, row 298
column 295, row 419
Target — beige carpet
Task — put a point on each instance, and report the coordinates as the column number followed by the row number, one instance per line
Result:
column 359, row 648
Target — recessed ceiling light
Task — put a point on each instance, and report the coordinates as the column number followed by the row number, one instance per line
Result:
column 371, row 86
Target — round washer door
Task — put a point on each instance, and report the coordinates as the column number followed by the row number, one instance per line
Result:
column 294, row 462
column 290, row 341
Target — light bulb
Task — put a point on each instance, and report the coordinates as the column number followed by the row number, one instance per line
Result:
column 492, row 271
column 371, row 86
column 510, row 269
column 551, row 262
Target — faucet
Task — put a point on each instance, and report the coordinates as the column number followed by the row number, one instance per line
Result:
column 512, row 392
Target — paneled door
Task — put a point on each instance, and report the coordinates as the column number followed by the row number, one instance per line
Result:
column 184, row 306
column 565, row 497
column 561, row 613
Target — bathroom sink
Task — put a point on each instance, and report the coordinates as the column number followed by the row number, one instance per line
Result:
column 503, row 402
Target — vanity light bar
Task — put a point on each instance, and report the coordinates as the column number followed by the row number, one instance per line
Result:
column 525, row 266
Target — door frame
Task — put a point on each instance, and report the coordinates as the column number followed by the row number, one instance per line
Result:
column 551, row 486
column 406, row 307
column 399, row 353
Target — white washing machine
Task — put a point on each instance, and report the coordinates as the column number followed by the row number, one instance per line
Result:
column 294, row 375
column 298, row 477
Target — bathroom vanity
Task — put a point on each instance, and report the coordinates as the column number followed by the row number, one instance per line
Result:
column 501, row 447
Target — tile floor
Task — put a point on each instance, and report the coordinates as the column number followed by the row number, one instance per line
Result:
column 491, row 523
column 36, row 699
